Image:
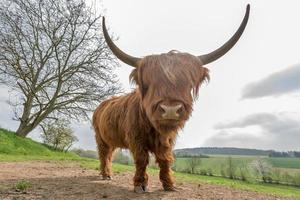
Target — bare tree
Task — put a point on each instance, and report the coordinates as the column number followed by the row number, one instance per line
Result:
column 193, row 163
column 231, row 168
column 58, row 134
column 263, row 169
column 54, row 59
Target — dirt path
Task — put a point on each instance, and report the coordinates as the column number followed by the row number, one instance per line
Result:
column 52, row 180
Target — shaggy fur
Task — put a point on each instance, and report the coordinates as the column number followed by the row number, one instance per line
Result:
column 134, row 121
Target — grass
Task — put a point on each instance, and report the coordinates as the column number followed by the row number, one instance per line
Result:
column 11, row 144
column 280, row 190
column 13, row 148
column 23, row 185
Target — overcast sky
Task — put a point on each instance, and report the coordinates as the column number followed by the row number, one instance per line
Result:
column 253, row 97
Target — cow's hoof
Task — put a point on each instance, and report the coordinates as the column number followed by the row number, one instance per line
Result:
column 140, row 189
column 170, row 189
column 106, row 178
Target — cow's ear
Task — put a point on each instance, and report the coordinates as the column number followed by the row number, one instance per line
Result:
column 203, row 77
column 140, row 82
column 142, row 87
column 143, row 90
column 133, row 77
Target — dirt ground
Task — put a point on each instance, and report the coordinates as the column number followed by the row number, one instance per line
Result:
column 54, row 180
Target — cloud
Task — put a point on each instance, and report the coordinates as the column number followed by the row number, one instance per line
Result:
column 276, row 84
column 279, row 131
column 281, row 122
column 227, row 138
column 253, row 119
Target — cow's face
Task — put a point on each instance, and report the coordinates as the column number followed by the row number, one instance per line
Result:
column 167, row 84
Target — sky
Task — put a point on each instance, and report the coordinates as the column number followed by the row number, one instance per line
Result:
column 252, row 99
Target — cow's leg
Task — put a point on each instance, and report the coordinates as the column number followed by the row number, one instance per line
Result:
column 164, row 158
column 105, row 155
column 141, row 160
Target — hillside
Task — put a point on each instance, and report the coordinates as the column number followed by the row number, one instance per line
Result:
column 13, row 147
column 222, row 151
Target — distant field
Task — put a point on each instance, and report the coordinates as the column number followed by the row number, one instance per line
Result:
column 293, row 163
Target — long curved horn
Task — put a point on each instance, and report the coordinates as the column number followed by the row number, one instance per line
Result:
column 130, row 60
column 210, row 57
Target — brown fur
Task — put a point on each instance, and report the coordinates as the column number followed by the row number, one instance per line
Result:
column 133, row 121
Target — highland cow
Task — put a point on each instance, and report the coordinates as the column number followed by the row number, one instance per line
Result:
column 147, row 119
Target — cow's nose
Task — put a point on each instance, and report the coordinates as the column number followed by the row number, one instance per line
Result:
column 171, row 112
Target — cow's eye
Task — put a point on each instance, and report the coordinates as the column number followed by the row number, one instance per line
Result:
column 144, row 89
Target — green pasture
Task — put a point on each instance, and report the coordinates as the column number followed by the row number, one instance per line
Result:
column 292, row 163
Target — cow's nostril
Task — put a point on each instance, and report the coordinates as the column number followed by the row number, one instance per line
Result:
column 180, row 109
column 161, row 109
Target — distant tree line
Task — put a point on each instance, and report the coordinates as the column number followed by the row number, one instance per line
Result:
column 283, row 154
column 186, row 155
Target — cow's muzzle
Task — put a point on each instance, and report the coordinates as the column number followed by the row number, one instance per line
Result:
column 171, row 112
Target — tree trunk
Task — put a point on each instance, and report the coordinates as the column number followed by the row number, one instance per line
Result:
column 23, row 130
column 24, row 127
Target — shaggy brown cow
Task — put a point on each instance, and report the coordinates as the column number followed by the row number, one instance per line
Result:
column 147, row 119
